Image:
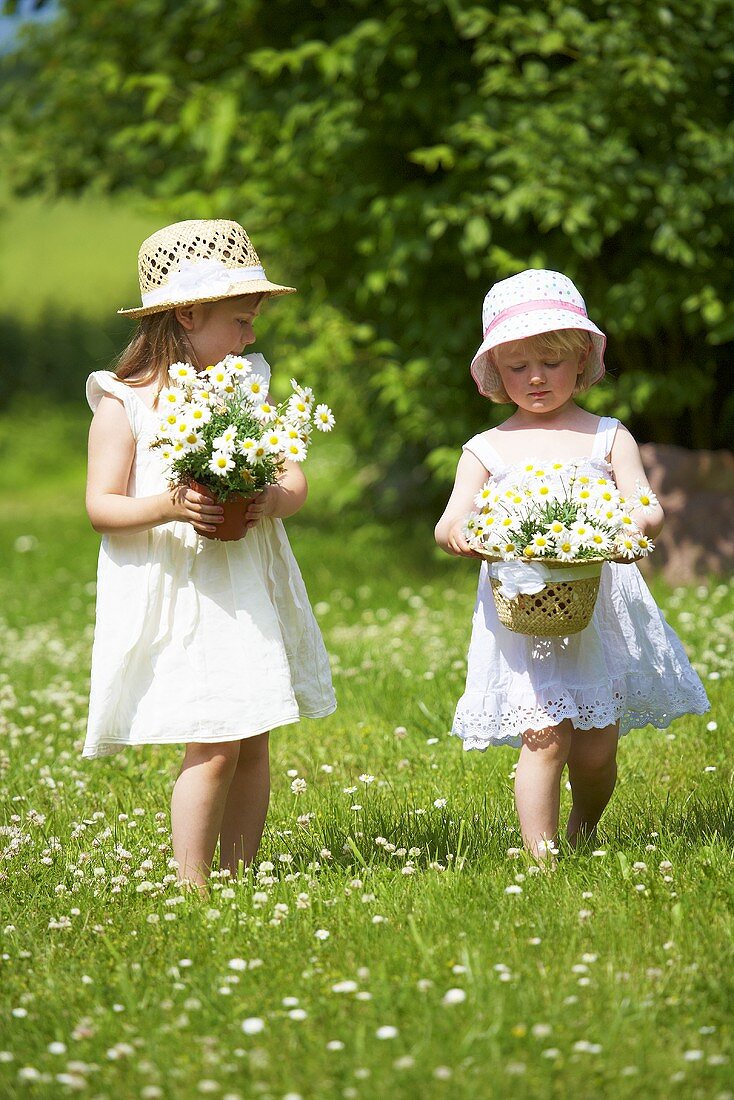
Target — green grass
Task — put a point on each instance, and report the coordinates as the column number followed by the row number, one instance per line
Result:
column 607, row 978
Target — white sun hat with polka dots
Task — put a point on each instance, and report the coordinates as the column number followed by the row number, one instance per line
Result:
column 528, row 304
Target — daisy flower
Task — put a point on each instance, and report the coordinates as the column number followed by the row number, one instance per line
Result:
column 238, row 365
column 221, row 463
column 645, row 545
column 200, row 415
column 182, row 372
column 227, row 441
column 323, row 418
column 484, row 496
column 295, row 450
column 219, row 377
column 599, row 541
column 265, row 412
column 275, row 441
column 304, row 392
column 643, row 499
column 508, row 550
column 169, row 421
column 193, row 441
column 566, row 546
column 298, row 408
column 255, row 386
column 541, row 544
column 627, row 546
column 555, row 528
column 171, row 396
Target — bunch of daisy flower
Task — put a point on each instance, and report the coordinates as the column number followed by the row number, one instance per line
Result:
column 553, row 511
column 219, row 429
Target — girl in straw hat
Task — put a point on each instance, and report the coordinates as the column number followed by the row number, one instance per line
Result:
column 202, row 642
column 563, row 701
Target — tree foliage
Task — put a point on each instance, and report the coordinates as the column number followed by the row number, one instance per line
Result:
column 396, row 157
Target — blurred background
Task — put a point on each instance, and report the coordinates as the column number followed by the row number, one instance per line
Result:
column 391, row 159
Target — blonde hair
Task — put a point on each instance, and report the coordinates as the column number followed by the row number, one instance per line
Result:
column 564, row 342
column 160, row 340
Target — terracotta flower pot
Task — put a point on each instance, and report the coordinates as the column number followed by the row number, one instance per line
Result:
column 233, row 526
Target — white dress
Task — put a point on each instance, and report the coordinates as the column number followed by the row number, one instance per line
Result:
column 627, row 665
column 197, row 640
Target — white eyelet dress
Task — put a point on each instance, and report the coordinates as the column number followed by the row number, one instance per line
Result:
column 197, row 640
column 627, row 665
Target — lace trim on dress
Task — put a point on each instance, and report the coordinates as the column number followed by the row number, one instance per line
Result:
column 647, row 703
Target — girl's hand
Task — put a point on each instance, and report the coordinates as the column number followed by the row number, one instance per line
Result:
column 260, row 505
column 199, row 509
column 457, row 544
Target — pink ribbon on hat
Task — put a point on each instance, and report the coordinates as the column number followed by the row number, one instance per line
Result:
column 526, row 307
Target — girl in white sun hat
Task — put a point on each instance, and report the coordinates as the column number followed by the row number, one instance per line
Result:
column 201, row 642
column 562, row 701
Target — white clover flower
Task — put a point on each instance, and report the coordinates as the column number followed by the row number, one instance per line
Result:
column 298, row 786
column 221, row 463
column 253, row 1025
column 453, row 997
column 387, row 1031
column 322, row 934
column 323, row 418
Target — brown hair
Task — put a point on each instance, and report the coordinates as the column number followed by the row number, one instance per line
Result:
column 158, row 341
column 565, row 341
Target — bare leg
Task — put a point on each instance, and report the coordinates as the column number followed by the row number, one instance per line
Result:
column 592, row 770
column 538, row 785
column 197, row 806
column 247, row 804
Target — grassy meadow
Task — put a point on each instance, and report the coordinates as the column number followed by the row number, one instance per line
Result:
column 392, row 940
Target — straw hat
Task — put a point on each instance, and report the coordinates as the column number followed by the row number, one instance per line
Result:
column 527, row 305
column 198, row 261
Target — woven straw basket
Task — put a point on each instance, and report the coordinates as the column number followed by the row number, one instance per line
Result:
column 562, row 607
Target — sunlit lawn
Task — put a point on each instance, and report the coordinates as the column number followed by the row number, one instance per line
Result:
column 392, row 942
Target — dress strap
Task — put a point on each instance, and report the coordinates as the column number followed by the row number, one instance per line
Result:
column 604, row 438
column 479, row 446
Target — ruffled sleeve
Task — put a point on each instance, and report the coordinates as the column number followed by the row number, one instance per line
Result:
column 103, row 382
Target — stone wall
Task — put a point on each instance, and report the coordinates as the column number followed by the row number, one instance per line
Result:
column 696, row 490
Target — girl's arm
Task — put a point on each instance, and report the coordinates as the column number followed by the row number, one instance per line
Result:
column 110, row 509
column 282, row 499
column 470, row 477
column 628, row 470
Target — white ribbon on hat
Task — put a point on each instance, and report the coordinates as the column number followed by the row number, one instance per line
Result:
column 531, row 577
column 202, row 279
